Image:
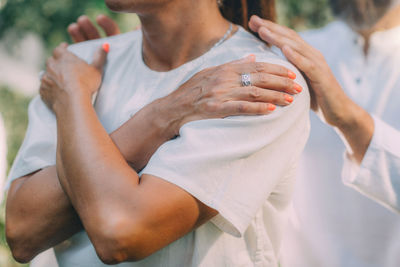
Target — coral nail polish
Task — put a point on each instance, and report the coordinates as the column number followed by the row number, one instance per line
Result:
column 289, row 98
column 106, row 47
column 298, row 88
column 291, row 75
column 271, row 107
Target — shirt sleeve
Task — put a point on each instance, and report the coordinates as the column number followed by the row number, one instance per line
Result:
column 39, row 147
column 378, row 176
column 233, row 164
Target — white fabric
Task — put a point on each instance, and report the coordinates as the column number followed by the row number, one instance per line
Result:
column 3, row 157
column 332, row 224
column 242, row 166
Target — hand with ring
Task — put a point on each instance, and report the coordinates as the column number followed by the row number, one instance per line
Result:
column 242, row 87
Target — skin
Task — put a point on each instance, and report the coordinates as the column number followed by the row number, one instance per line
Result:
column 80, row 189
column 328, row 98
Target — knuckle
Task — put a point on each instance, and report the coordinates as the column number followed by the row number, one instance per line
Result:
column 288, row 83
column 260, row 67
column 242, row 108
column 211, row 106
column 254, row 93
column 262, row 108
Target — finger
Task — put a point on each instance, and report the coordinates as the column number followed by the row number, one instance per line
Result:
column 108, row 25
column 59, row 50
column 232, row 108
column 87, row 28
column 274, row 82
column 75, row 33
column 246, row 59
column 100, row 57
column 278, row 40
column 301, row 62
column 46, row 81
column 256, row 94
column 263, row 67
column 256, row 23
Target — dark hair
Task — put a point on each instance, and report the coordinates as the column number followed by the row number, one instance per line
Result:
column 240, row 11
column 360, row 12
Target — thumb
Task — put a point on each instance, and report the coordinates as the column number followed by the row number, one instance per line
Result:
column 100, row 57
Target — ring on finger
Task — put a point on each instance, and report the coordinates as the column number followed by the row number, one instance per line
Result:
column 246, row 79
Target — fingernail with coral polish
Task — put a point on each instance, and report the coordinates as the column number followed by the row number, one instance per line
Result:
column 106, row 47
column 271, row 107
column 289, row 98
column 252, row 57
column 291, row 74
column 298, row 88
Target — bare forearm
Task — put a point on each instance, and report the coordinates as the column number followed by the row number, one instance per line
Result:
column 36, row 223
column 89, row 164
column 39, row 215
column 357, row 127
column 144, row 133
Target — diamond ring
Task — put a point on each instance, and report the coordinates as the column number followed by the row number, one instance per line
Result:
column 246, row 81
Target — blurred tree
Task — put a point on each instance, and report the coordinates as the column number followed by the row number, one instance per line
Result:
column 48, row 19
column 304, row 14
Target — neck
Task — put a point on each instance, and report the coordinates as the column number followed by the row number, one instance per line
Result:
column 180, row 32
column 390, row 20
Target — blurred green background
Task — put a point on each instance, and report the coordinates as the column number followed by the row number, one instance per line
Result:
column 48, row 21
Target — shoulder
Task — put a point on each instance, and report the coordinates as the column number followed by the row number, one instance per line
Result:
column 118, row 43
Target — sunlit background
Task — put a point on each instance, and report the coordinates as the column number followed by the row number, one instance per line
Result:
column 30, row 29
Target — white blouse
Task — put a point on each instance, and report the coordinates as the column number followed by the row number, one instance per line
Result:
column 340, row 215
column 242, row 166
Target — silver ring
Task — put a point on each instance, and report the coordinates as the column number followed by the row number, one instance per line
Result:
column 246, row 80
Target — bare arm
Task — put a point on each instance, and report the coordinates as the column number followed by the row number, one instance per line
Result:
column 40, row 215
column 31, row 226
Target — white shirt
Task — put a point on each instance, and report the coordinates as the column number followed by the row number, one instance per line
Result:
column 242, row 166
column 3, row 157
column 341, row 224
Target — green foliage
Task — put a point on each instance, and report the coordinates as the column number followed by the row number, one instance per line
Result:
column 304, row 14
column 13, row 107
column 48, row 19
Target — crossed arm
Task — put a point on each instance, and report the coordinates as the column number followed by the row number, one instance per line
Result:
column 40, row 214
column 94, row 187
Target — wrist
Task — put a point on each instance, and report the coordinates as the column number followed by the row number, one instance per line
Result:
column 165, row 117
column 68, row 100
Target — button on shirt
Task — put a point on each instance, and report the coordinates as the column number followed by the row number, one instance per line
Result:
column 242, row 166
column 346, row 214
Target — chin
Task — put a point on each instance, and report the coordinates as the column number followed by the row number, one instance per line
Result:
column 122, row 5
column 134, row 6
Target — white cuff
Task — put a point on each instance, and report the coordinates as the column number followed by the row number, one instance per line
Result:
column 378, row 175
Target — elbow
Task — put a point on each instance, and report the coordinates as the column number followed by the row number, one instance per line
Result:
column 119, row 241
column 18, row 244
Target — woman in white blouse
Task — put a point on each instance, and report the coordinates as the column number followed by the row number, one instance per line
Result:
column 215, row 195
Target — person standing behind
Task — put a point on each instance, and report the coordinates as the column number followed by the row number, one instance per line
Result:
column 346, row 203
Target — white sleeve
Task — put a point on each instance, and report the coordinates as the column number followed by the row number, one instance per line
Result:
column 3, row 159
column 378, row 176
column 39, row 147
column 234, row 164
